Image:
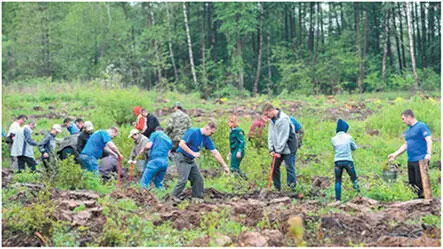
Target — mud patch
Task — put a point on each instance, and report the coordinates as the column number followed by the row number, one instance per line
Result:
column 141, row 196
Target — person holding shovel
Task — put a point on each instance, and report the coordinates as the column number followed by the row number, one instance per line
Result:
column 189, row 147
column 282, row 143
column 237, row 144
column 343, row 144
column 418, row 146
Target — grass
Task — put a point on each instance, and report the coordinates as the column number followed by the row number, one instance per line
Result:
column 106, row 107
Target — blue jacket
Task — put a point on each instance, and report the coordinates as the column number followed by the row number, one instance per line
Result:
column 161, row 145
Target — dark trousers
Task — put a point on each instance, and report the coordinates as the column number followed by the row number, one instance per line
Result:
column 415, row 178
column 188, row 170
column 22, row 160
column 291, row 179
column 349, row 167
column 49, row 165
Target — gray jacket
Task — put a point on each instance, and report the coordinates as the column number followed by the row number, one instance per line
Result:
column 138, row 145
column 48, row 144
column 23, row 144
column 343, row 144
column 278, row 134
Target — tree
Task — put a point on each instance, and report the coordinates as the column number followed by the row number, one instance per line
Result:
column 191, row 58
column 260, row 48
column 411, row 45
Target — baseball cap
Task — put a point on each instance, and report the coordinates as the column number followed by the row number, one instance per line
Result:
column 133, row 132
column 57, row 127
column 89, row 126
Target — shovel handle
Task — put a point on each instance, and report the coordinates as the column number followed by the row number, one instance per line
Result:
column 119, row 170
column 272, row 172
column 130, row 172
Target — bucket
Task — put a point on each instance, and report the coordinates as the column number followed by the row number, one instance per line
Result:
column 389, row 175
column 141, row 164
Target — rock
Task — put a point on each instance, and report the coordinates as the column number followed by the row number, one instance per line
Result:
column 284, row 200
column 252, row 239
column 274, row 237
column 223, row 240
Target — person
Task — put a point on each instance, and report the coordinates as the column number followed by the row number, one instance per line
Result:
column 109, row 165
column 237, row 146
column 23, row 147
column 189, row 147
column 282, row 142
column 300, row 134
column 70, row 126
column 151, row 123
column 93, row 150
column 12, row 131
column 179, row 122
column 79, row 123
column 160, row 145
column 343, row 144
column 69, row 145
column 140, row 123
column 86, row 132
column 140, row 142
column 418, row 146
column 47, row 147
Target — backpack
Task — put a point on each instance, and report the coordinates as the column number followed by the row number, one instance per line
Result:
column 292, row 140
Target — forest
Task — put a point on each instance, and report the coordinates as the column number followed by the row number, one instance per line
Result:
column 220, row 49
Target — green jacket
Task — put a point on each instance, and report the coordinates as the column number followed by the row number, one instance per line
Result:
column 237, row 140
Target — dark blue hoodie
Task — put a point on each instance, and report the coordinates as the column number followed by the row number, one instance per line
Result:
column 342, row 126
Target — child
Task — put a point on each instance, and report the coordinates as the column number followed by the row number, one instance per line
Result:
column 237, row 144
column 343, row 145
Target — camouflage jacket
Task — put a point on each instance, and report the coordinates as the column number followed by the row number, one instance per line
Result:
column 179, row 122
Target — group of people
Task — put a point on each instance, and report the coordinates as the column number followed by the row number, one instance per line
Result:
column 155, row 146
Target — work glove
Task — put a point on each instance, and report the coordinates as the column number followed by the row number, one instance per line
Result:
column 132, row 162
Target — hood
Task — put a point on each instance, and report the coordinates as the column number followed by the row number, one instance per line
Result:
column 137, row 110
column 342, row 126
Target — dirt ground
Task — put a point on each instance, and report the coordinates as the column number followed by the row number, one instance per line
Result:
column 361, row 221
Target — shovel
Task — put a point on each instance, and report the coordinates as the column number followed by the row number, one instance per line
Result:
column 272, row 172
column 119, row 170
column 130, row 172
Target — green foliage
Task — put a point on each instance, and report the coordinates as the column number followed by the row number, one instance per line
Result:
column 383, row 191
column 432, row 220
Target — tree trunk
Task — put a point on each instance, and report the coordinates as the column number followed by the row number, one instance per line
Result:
column 300, row 25
column 415, row 22
column 260, row 48
column 342, row 17
column 358, row 45
column 376, row 28
column 322, row 33
column 44, row 26
column 157, row 56
column 336, row 18
column 311, row 27
column 385, row 46
column 269, row 63
column 397, row 43
column 411, row 44
column 401, row 35
column 286, row 24
column 238, row 54
column 424, row 43
column 292, row 24
column 171, row 52
column 188, row 35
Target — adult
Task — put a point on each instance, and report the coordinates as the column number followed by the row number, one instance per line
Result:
column 151, row 124
column 100, row 140
column 179, row 122
column 282, row 143
column 140, row 142
column 109, row 165
column 86, row 132
column 70, row 126
column 23, row 147
column 12, row 131
column 418, row 146
column 255, row 133
column 47, row 147
column 189, row 147
column 300, row 133
column 79, row 123
column 160, row 145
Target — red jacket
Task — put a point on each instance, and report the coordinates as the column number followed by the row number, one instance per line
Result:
column 140, row 124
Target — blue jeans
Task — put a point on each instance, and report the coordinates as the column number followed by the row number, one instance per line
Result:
column 155, row 170
column 291, row 178
column 89, row 163
column 349, row 167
